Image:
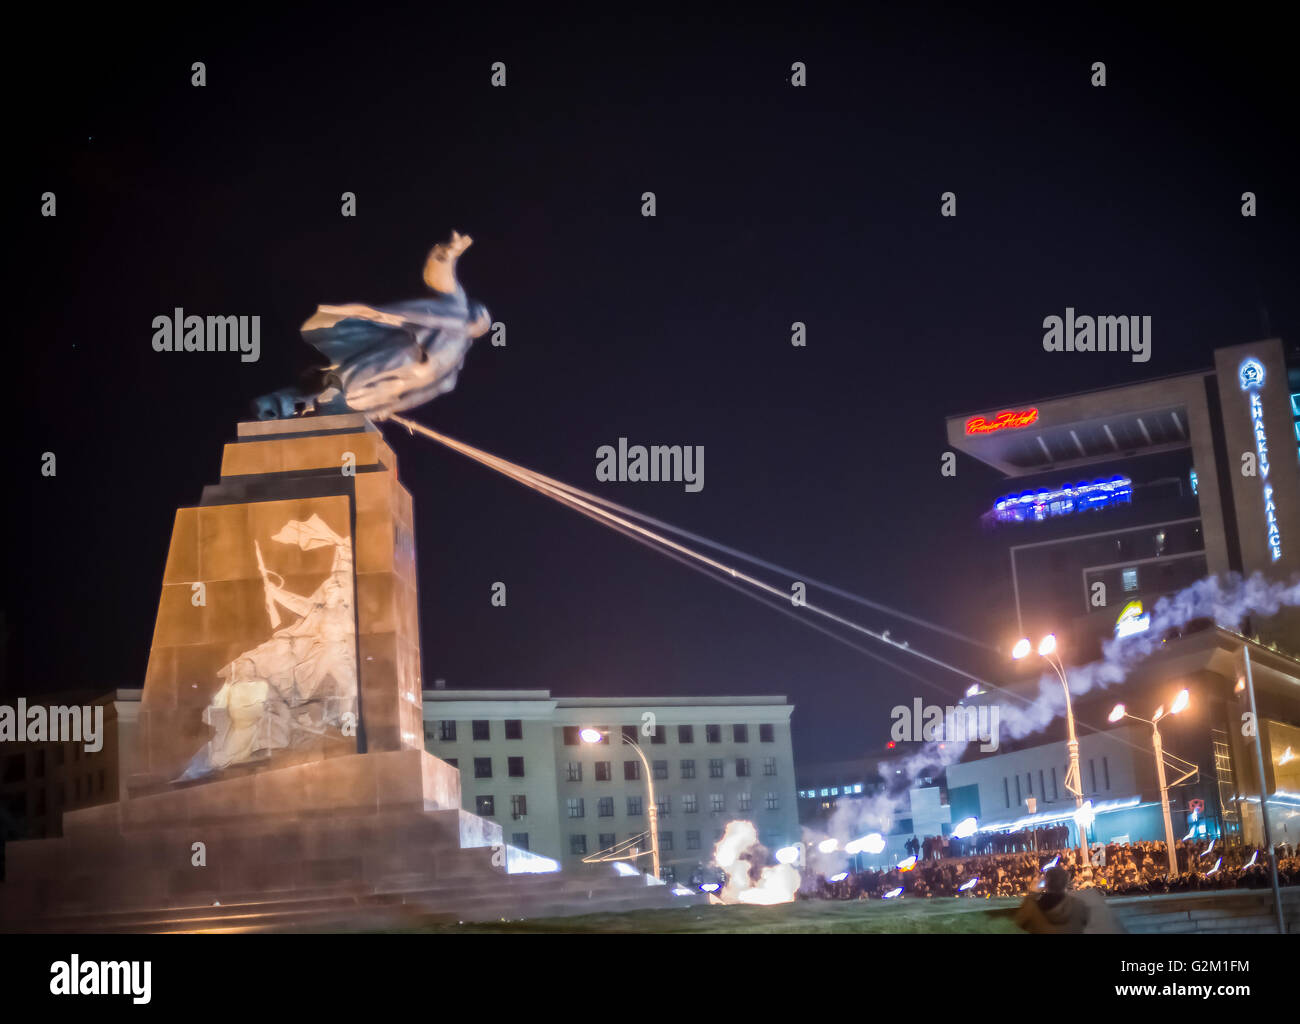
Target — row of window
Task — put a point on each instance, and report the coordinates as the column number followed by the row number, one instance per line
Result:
column 483, row 766
column 685, row 734
column 812, row 794
column 480, row 729
column 690, row 803
column 604, row 770
column 1028, row 791
column 485, row 806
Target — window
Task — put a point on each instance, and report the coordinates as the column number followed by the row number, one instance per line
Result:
column 740, row 733
column 713, row 733
column 1092, row 773
column 605, row 807
column 1029, row 783
column 688, row 769
column 686, row 734
column 1042, row 786
column 769, row 766
column 715, row 768
column 660, row 770
column 606, row 840
column 484, row 806
column 771, row 802
column 664, row 806
column 447, row 732
column 742, row 767
column 578, row 845
column 717, row 803
column 575, row 771
column 603, row 771
column 1105, row 771
column 660, row 734
column 453, row 761
column 514, row 729
column 690, row 804
column 633, row 806
column 576, row 807
column 1019, row 799
column 1130, row 577
column 571, row 737
column 631, row 771
column 746, row 802
column 766, row 733
column 518, row 806
column 629, row 733
column 665, row 840
column 519, row 840
column 1054, row 790
column 692, row 839
column 1006, row 788
column 482, row 767
column 515, row 767
column 481, row 729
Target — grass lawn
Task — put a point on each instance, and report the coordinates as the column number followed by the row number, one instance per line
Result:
column 911, row 916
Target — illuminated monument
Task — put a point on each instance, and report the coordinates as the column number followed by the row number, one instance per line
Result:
column 281, row 776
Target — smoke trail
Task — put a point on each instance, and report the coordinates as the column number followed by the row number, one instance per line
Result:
column 1225, row 600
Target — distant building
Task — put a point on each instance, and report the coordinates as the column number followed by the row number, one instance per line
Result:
column 523, row 764
column 41, row 780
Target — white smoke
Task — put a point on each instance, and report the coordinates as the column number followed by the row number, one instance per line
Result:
column 749, row 878
column 1226, row 600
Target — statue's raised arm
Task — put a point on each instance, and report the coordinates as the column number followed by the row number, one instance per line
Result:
column 385, row 359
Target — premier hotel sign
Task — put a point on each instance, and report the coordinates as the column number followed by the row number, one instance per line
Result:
column 1251, row 376
column 1007, row 419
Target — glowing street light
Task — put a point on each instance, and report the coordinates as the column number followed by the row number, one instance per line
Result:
column 1180, row 702
column 589, row 735
column 1047, row 650
column 828, row 845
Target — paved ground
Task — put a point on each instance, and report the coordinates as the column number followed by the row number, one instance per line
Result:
column 905, row 916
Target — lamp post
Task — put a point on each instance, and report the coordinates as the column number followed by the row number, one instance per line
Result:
column 1073, row 778
column 590, row 735
column 1118, row 713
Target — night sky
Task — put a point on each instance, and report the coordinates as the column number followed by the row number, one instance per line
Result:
column 775, row 204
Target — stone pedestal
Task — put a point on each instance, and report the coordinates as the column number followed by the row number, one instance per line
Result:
column 281, row 760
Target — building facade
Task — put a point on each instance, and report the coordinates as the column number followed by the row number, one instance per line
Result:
column 1123, row 496
column 524, row 764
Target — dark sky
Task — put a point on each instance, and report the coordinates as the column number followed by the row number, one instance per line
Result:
column 775, row 204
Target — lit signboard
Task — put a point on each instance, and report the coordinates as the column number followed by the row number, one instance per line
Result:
column 1007, row 419
column 1251, row 375
column 1131, row 620
column 1029, row 506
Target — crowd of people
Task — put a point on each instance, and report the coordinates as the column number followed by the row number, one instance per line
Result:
column 1117, row 869
column 1049, row 837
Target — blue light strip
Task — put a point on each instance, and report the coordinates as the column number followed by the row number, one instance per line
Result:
column 1035, row 506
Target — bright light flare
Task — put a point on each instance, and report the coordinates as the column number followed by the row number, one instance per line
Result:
column 892, row 893
column 828, row 845
column 840, row 877
column 1021, row 649
column 968, row 885
column 590, row 735
column 1180, row 702
column 1047, row 645
column 1084, row 816
column 1214, row 869
column 965, row 828
column 1117, row 712
column 709, row 887
column 1251, row 863
column 1287, row 757
column 907, row 863
column 787, row 855
column 1052, row 863
column 973, row 690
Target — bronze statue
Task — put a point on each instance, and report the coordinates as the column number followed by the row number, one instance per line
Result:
column 385, row 359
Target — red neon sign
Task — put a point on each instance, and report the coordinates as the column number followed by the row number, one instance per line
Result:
column 1007, row 419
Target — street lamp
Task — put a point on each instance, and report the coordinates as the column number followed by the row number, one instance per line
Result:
column 1073, row 778
column 590, row 735
column 1119, row 713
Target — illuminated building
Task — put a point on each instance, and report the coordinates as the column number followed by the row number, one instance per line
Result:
column 1125, row 495
column 523, row 765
